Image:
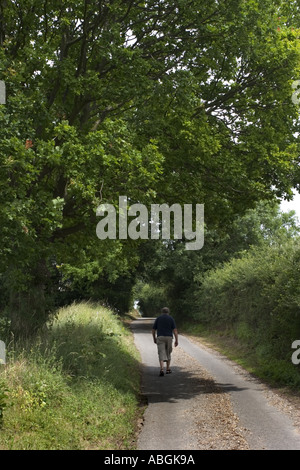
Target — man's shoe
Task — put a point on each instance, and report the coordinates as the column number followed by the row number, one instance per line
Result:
column 161, row 374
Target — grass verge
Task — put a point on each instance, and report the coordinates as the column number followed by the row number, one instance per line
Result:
column 277, row 373
column 75, row 388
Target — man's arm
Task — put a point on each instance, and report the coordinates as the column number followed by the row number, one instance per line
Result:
column 154, row 335
column 176, row 336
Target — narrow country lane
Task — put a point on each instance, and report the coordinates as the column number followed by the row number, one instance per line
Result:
column 208, row 402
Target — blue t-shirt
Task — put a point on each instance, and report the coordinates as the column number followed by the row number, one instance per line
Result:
column 164, row 324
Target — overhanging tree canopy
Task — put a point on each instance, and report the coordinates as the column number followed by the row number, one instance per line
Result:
column 162, row 101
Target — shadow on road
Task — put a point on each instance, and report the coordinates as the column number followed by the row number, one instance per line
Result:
column 182, row 384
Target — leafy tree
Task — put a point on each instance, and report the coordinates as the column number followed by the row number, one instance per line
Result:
column 163, row 101
column 179, row 274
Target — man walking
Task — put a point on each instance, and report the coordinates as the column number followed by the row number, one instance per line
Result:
column 162, row 331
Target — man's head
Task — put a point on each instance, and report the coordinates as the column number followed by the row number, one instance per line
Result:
column 165, row 310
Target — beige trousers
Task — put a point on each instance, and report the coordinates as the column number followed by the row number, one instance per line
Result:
column 164, row 347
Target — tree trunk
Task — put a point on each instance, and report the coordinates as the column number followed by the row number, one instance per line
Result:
column 27, row 311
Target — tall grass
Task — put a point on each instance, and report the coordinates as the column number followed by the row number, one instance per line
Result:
column 76, row 387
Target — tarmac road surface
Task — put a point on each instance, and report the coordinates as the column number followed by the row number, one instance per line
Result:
column 186, row 409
